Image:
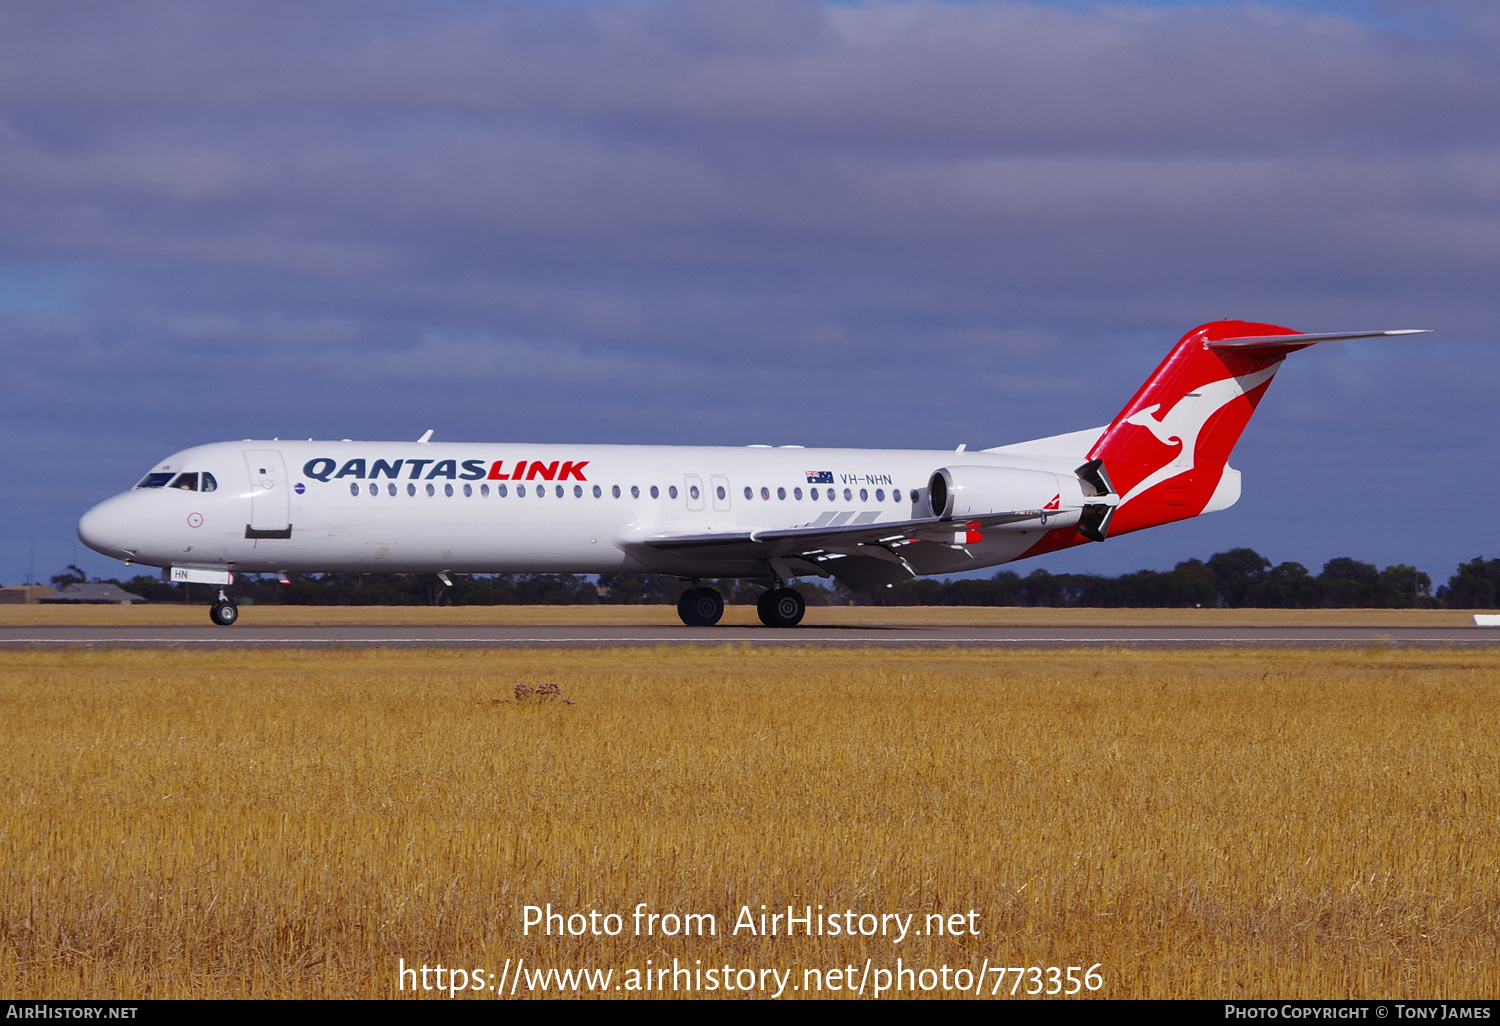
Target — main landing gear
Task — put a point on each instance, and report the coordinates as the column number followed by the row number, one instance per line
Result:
column 781, row 607
column 223, row 612
column 700, row 607
column 704, row 607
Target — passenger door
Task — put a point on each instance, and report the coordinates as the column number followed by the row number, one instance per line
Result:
column 270, row 501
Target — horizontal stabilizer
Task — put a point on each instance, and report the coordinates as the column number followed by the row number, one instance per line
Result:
column 1272, row 344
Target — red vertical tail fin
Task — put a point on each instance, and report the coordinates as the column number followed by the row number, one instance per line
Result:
column 1165, row 453
column 1165, row 456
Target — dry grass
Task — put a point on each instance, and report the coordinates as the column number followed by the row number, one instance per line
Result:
column 274, row 824
column 998, row 616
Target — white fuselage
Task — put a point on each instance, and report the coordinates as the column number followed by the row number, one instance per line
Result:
column 502, row 508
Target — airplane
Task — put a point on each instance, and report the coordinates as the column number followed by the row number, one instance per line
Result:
column 868, row 518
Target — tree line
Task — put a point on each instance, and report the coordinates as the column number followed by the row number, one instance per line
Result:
column 1239, row 578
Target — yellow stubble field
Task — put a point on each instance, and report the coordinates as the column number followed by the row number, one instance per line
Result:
column 1226, row 824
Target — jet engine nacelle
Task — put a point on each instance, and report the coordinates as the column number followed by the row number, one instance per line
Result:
column 973, row 491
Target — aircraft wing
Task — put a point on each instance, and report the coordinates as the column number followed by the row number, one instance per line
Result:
column 861, row 554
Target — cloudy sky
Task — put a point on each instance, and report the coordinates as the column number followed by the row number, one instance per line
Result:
column 907, row 224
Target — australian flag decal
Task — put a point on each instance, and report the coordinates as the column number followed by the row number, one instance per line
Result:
column 820, row 477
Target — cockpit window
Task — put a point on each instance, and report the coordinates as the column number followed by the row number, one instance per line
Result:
column 186, row 482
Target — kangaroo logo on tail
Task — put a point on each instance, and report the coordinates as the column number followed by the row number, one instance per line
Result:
column 1181, row 424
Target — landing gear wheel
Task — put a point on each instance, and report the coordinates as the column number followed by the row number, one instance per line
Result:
column 700, row 607
column 224, row 613
column 781, row 607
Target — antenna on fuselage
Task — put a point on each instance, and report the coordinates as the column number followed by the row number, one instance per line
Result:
column 426, row 437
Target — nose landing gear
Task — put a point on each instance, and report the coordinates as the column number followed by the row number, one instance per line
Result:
column 223, row 612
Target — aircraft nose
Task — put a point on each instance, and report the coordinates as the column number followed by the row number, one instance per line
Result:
column 105, row 529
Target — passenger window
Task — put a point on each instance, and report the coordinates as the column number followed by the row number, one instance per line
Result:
column 448, row 490
column 880, row 495
column 468, row 490
column 154, row 481
column 749, row 493
column 848, row 495
column 598, row 491
column 187, row 482
column 209, row 484
column 864, row 496
column 635, row 492
column 797, row 494
column 615, row 491
column 431, row 490
column 374, row 489
column 391, row 489
column 500, row 491
column 895, row 495
column 354, row 489
column 560, row 491
column 812, row 493
column 655, row 492
column 781, row 493
column 672, row 491
column 411, row 489
column 693, row 491
column 765, row 493
column 578, row 491
column 520, row 491
column 719, row 491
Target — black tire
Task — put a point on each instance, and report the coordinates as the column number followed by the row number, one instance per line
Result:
column 763, row 606
column 700, row 607
column 224, row 613
column 781, row 607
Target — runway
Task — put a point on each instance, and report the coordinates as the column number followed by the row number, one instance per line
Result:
column 576, row 636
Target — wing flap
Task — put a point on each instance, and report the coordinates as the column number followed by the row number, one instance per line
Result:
column 800, row 541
